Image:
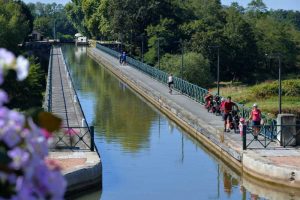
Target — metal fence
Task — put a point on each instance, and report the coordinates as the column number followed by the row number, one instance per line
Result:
column 191, row 90
column 48, row 95
column 69, row 137
column 272, row 136
column 74, row 138
column 84, row 121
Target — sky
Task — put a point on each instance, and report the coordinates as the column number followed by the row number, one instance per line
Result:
column 274, row 4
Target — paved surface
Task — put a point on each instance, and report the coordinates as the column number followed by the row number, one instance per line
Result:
column 81, row 167
column 64, row 104
column 273, row 164
column 82, row 170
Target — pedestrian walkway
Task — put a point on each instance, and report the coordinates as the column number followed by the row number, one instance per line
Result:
column 64, row 104
column 73, row 146
column 271, row 164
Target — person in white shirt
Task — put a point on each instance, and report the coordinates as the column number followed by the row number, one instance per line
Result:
column 170, row 83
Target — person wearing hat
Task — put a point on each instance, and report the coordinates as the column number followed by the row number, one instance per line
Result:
column 228, row 107
column 255, row 116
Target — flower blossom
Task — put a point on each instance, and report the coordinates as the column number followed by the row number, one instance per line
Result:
column 31, row 175
column 6, row 58
column 22, row 68
column 19, row 158
column 3, row 97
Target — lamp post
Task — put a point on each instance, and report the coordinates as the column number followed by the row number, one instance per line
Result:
column 131, row 42
column 182, row 53
column 279, row 77
column 121, row 41
column 142, row 47
column 218, row 68
column 158, row 51
column 278, row 56
column 181, row 42
column 54, row 29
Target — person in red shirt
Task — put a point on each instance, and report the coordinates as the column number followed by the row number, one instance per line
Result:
column 227, row 116
column 208, row 100
column 255, row 116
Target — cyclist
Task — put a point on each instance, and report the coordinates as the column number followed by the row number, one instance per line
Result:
column 170, row 83
column 208, row 99
column 123, row 58
column 228, row 106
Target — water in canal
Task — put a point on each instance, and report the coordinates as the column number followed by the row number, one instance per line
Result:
column 145, row 156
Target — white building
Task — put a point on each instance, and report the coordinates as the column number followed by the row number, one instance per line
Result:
column 80, row 39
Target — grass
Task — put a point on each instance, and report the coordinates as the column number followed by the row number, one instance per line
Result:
column 265, row 96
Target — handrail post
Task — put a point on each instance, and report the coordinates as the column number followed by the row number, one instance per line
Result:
column 50, row 81
column 244, row 137
column 92, row 138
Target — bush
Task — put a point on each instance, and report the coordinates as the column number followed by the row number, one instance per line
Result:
column 27, row 93
column 66, row 38
column 289, row 88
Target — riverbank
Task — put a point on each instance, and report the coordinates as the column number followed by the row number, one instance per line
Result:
column 270, row 165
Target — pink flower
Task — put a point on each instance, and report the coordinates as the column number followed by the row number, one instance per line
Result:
column 46, row 133
column 52, row 164
column 71, row 132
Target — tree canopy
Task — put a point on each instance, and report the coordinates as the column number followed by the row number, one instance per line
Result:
column 15, row 22
column 244, row 35
column 48, row 16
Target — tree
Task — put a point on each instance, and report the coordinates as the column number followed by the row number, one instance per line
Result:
column 15, row 25
column 48, row 15
column 28, row 93
column 195, row 70
column 239, row 46
column 257, row 6
column 44, row 25
column 276, row 37
column 76, row 16
column 164, row 32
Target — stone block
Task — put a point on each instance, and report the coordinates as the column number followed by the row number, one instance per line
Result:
column 286, row 130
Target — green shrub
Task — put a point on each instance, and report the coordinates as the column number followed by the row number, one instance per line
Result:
column 264, row 90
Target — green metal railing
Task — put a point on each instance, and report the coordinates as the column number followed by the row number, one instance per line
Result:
column 48, row 95
column 191, row 90
column 90, row 128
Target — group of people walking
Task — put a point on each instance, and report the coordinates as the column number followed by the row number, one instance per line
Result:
column 225, row 107
column 229, row 112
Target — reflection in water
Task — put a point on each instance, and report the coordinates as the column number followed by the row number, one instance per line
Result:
column 229, row 182
column 145, row 155
column 113, row 109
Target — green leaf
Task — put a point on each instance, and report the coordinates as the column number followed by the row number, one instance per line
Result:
column 49, row 121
